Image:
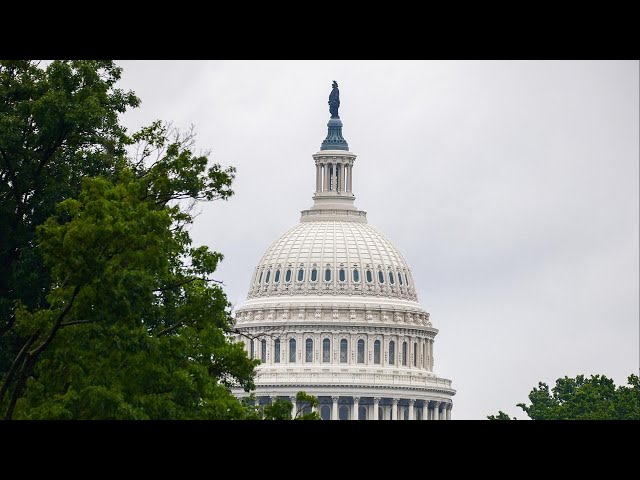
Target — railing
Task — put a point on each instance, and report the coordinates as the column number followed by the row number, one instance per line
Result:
column 351, row 378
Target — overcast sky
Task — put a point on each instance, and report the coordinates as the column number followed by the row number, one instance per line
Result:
column 510, row 187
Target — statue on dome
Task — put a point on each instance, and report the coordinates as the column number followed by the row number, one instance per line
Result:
column 334, row 100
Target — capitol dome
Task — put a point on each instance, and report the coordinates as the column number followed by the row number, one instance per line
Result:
column 332, row 310
column 343, row 258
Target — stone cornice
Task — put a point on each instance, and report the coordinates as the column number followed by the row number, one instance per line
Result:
column 283, row 328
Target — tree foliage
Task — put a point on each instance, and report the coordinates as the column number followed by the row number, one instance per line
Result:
column 580, row 398
column 107, row 310
column 500, row 416
column 282, row 409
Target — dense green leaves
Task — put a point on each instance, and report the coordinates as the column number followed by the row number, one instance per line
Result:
column 106, row 308
column 580, row 398
column 57, row 126
column 281, row 409
column 500, row 416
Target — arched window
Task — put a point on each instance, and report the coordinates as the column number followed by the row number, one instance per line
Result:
column 392, row 352
column 376, row 352
column 251, row 349
column 292, row 350
column 342, row 276
column 343, row 412
column 400, row 278
column 263, row 351
column 325, row 412
column 287, row 276
column 314, row 275
column 391, row 281
column 406, row 277
column 343, row 350
column 301, row 274
column 356, row 275
column 308, row 350
column 362, row 412
column 404, row 354
column 327, row 275
column 369, row 276
column 415, row 354
column 360, row 351
column 326, row 350
column 276, row 277
column 260, row 278
column 266, row 280
column 276, row 351
column 380, row 277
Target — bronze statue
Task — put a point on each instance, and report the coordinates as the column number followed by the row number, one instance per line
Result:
column 334, row 100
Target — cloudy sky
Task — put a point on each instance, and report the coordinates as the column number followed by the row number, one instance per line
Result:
column 511, row 188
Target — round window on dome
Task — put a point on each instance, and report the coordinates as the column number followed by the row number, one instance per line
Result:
column 356, row 275
column 266, row 280
column 327, row 275
column 276, row 277
column 342, row 276
column 391, row 281
column 287, row 276
column 314, row 275
column 301, row 274
column 369, row 276
column 380, row 277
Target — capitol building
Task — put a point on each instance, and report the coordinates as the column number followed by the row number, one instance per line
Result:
column 332, row 309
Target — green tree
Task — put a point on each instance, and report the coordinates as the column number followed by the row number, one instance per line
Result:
column 580, row 398
column 307, row 407
column 282, row 409
column 500, row 416
column 106, row 308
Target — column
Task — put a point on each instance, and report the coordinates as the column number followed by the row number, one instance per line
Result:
column 356, row 405
column 376, row 405
column 431, row 355
column 395, row 408
column 449, row 408
column 318, row 177
column 425, row 410
column 435, row 413
column 349, row 182
column 411, row 403
column 334, row 410
column 343, row 180
column 332, row 173
column 294, row 411
column 326, row 177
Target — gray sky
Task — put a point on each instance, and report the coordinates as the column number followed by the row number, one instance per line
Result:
column 511, row 188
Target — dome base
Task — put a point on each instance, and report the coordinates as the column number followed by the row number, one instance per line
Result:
column 333, row 214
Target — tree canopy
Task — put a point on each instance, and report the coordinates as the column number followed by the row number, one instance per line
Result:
column 107, row 310
column 580, row 398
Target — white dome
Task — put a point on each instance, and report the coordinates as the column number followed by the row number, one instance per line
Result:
column 349, row 258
